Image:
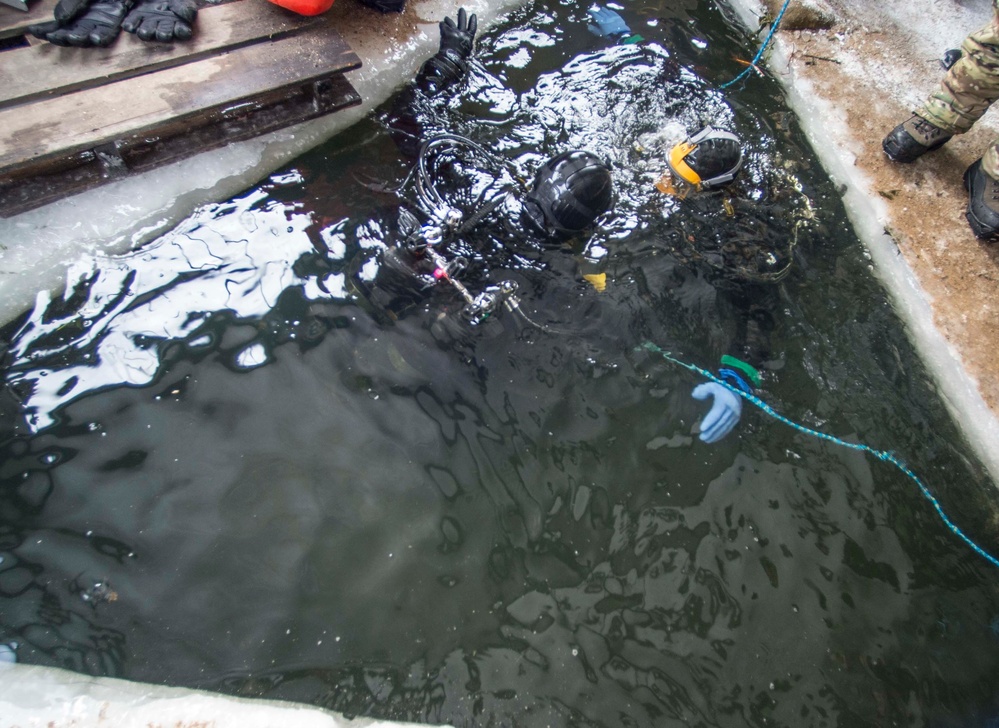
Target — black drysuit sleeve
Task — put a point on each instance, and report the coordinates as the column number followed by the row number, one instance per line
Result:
column 438, row 74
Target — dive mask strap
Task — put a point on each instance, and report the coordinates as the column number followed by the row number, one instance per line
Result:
column 678, row 165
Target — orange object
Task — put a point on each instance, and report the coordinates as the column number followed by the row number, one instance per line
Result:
column 305, row 7
column 665, row 185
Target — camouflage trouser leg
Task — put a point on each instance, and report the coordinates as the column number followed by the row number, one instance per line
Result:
column 969, row 88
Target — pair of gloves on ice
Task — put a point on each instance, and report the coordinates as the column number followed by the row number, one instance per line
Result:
column 85, row 23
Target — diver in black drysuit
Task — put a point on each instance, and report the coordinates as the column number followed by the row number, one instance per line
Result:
column 568, row 194
column 438, row 242
column 737, row 231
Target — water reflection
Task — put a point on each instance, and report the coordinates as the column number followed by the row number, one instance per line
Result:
column 110, row 326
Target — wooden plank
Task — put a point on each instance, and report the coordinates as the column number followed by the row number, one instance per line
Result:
column 44, row 70
column 58, row 146
column 138, row 105
column 59, row 177
column 15, row 22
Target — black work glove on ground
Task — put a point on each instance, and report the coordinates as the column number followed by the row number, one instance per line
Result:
column 162, row 20
column 83, row 23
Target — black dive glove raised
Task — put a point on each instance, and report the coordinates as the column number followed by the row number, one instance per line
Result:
column 459, row 37
column 162, row 20
column 450, row 63
column 83, row 23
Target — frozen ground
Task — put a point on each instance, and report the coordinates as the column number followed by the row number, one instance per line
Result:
column 850, row 84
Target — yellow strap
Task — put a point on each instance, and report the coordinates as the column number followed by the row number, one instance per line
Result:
column 597, row 280
column 677, row 155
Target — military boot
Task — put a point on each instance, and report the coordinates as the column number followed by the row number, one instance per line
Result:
column 983, row 202
column 913, row 138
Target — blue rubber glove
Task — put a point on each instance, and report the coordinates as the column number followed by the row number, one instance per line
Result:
column 607, row 23
column 724, row 413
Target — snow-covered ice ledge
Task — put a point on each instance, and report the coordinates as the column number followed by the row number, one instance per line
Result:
column 830, row 136
column 46, row 697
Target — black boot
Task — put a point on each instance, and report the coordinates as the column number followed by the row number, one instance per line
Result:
column 913, row 138
column 983, row 202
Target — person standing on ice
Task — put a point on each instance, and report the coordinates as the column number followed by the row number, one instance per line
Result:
column 965, row 94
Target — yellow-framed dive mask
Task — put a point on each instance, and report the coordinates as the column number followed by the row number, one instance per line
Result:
column 678, row 165
column 710, row 158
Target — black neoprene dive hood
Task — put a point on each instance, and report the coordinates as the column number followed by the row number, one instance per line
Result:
column 570, row 191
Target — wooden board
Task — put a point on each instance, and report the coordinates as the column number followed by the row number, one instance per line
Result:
column 45, row 70
column 56, row 146
column 57, row 178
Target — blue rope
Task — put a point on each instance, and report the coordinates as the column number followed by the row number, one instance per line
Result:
column 759, row 54
column 879, row 454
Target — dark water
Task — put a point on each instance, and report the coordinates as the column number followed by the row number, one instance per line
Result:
column 230, row 470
